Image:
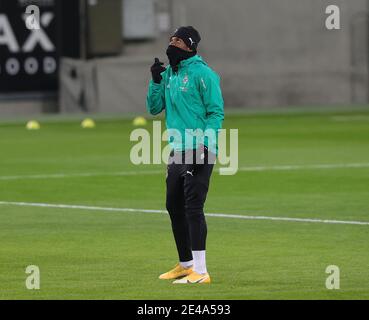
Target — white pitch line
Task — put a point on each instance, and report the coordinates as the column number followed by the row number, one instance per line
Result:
column 153, row 172
column 216, row 215
column 306, row 167
column 87, row 174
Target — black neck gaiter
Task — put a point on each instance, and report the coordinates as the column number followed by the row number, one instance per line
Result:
column 176, row 55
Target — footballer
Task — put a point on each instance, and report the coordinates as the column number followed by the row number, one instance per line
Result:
column 189, row 91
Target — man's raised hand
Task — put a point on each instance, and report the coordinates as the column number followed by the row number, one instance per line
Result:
column 156, row 69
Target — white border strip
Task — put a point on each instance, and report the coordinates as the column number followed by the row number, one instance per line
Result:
column 216, row 215
column 154, row 172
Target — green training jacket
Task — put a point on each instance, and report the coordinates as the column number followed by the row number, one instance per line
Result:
column 192, row 100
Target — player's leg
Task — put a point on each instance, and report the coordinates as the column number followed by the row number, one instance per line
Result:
column 176, row 208
column 196, row 185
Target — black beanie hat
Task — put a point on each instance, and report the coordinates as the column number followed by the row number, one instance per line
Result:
column 189, row 35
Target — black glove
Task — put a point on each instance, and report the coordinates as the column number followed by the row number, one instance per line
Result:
column 156, row 69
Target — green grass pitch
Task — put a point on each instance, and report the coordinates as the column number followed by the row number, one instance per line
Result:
column 84, row 254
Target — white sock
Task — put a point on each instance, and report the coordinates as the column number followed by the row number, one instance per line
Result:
column 186, row 264
column 199, row 261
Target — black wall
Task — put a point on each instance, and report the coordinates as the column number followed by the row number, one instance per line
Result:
column 28, row 65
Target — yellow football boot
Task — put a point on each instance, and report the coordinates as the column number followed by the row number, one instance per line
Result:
column 194, row 277
column 177, row 272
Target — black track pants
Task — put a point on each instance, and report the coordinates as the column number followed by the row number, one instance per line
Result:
column 187, row 187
